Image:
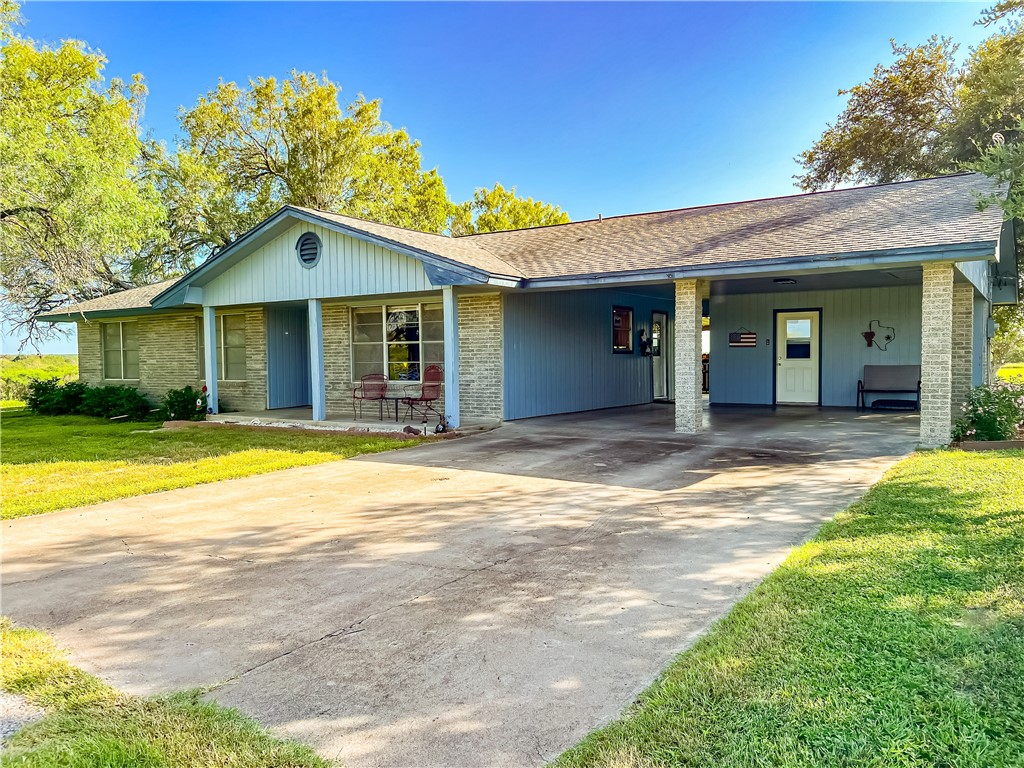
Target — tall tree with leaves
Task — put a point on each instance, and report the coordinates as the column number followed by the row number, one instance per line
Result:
column 247, row 151
column 925, row 114
column 496, row 209
column 76, row 208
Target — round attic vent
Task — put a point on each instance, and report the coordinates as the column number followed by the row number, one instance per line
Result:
column 308, row 249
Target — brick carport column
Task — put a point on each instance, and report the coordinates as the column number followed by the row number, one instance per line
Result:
column 936, row 355
column 689, row 400
column 963, row 343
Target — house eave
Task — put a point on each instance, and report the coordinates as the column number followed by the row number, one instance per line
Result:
column 855, row 260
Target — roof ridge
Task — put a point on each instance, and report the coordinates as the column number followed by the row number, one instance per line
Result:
column 601, row 219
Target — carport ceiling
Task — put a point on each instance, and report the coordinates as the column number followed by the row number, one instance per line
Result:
column 880, row 278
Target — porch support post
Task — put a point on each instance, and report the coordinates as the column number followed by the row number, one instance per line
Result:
column 689, row 401
column 936, row 355
column 210, row 356
column 963, row 343
column 316, row 360
column 450, row 313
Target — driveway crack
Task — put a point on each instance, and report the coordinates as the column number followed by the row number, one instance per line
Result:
column 353, row 627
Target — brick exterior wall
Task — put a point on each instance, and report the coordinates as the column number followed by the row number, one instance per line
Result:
column 337, row 321
column 169, row 358
column 936, row 354
column 963, row 343
column 481, row 358
column 689, row 400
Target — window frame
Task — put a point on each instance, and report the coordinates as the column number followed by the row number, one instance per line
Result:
column 221, row 358
column 618, row 350
column 121, row 350
column 384, row 344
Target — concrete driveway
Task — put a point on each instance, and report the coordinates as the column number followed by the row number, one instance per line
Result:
column 484, row 601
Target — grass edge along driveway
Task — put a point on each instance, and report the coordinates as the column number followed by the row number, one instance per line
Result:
column 893, row 638
column 51, row 463
column 89, row 723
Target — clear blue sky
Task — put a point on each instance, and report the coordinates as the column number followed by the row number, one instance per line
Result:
column 598, row 107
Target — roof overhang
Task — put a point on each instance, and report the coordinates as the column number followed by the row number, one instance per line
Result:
column 854, row 260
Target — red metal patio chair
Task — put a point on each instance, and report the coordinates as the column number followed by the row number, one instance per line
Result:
column 430, row 390
column 372, row 387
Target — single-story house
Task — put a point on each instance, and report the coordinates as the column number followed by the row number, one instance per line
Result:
column 802, row 292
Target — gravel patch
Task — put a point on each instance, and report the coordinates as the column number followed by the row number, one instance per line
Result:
column 15, row 713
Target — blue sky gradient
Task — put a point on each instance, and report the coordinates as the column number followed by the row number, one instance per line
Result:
column 597, row 107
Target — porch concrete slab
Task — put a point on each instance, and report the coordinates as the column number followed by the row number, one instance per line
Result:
column 483, row 601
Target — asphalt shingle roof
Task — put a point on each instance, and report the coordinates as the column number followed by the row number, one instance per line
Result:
column 133, row 298
column 910, row 214
column 929, row 212
column 458, row 249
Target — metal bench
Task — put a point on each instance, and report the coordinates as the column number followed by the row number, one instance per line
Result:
column 890, row 379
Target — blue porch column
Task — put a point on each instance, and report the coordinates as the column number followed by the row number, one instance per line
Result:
column 450, row 311
column 316, row 360
column 210, row 356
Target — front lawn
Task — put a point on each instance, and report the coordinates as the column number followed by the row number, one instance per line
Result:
column 1011, row 371
column 58, row 462
column 894, row 638
column 88, row 723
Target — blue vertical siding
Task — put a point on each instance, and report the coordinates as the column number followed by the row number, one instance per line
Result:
column 288, row 374
column 558, row 352
column 745, row 376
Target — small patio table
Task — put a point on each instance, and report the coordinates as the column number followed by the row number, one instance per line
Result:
column 397, row 399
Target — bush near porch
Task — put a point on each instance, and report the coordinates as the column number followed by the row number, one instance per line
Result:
column 58, row 462
column 894, row 638
column 992, row 412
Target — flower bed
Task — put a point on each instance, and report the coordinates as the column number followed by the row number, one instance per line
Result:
column 993, row 413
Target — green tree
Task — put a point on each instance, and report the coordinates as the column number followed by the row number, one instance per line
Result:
column 497, row 209
column 246, row 152
column 76, row 207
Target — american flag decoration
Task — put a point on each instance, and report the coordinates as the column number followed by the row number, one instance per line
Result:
column 743, row 338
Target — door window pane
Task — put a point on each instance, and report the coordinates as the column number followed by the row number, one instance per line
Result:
column 798, row 329
column 798, row 339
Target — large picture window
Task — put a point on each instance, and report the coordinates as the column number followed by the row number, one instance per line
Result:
column 399, row 341
column 622, row 330
column 230, row 347
column 120, row 342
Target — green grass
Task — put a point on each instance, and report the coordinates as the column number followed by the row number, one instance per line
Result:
column 894, row 638
column 58, row 462
column 17, row 371
column 88, row 723
column 1011, row 371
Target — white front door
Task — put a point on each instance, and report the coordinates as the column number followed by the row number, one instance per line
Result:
column 796, row 357
column 659, row 354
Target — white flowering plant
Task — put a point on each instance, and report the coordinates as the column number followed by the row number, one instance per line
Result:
column 992, row 412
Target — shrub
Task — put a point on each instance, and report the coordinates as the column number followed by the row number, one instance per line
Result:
column 120, row 400
column 185, row 403
column 992, row 412
column 49, row 398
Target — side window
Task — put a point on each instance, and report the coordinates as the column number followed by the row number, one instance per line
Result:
column 622, row 330
column 232, row 343
column 120, row 343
